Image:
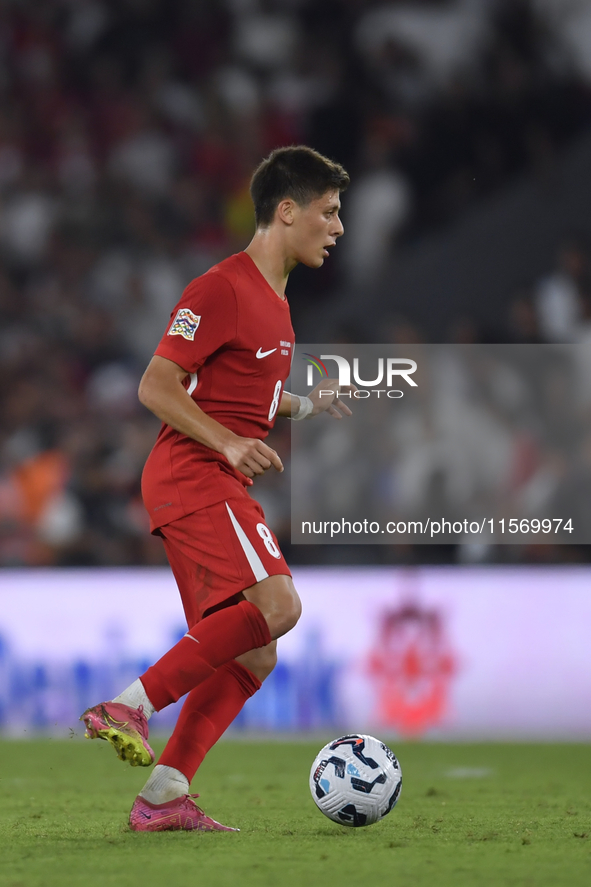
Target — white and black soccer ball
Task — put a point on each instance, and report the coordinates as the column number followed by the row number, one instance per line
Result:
column 355, row 780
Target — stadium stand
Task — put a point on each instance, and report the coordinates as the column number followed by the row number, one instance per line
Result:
column 128, row 131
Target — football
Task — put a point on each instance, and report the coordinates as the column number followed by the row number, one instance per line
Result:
column 355, row 780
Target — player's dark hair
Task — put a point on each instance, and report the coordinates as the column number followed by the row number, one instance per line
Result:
column 297, row 172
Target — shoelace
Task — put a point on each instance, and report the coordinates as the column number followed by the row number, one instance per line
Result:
column 139, row 719
column 136, row 716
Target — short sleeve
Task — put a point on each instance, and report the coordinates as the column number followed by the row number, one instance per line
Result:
column 203, row 321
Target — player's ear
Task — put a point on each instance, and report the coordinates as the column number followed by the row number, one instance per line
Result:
column 285, row 211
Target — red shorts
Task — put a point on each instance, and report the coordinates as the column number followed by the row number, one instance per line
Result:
column 217, row 552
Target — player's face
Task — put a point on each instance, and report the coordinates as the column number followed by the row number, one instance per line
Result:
column 316, row 228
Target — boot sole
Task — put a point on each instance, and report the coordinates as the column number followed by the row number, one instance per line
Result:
column 128, row 749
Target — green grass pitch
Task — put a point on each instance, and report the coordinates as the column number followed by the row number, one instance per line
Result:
column 498, row 815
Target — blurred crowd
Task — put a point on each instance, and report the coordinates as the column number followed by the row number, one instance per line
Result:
column 128, row 132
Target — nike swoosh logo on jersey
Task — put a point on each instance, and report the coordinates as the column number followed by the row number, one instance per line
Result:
column 265, row 353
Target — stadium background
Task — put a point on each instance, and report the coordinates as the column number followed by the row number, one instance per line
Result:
column 128, row 132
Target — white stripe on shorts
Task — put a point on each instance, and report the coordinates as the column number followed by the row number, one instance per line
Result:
column 256, row 564
column 193, row 383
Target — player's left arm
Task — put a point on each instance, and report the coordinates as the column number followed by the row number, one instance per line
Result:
column 324, row 398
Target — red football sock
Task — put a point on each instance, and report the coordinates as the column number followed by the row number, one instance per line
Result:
column 224, row 635
column 208, row 711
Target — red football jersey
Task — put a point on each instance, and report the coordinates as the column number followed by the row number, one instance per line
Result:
column 232, row 333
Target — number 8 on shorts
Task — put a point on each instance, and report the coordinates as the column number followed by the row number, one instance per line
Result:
column 265, row 534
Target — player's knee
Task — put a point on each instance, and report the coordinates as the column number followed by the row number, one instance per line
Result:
column 261, row 661
column 268, row 660
column 293, row 611
column 278, row 601
column 287, row 614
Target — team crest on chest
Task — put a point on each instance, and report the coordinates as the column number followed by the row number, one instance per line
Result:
column 185, row 324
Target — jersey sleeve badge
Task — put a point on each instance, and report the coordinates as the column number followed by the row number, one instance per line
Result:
column 185, row 324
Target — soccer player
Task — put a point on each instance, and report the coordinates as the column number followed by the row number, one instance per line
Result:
column 216, row 382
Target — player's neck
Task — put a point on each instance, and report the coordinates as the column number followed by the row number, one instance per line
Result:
column 267, row 252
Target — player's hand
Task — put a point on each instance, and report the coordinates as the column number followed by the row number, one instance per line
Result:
column 251, row 456
column 330, row 403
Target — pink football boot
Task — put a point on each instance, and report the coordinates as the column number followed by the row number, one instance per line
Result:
column 124, row 727
column 181, row 814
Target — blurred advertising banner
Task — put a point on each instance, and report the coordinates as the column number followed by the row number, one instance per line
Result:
column 455, row 653
column 488, row 444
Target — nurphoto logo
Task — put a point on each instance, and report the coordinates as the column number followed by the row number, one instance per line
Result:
column 388, row 369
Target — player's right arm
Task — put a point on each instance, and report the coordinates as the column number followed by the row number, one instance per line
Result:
column 204, row 320
column 163, row 393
